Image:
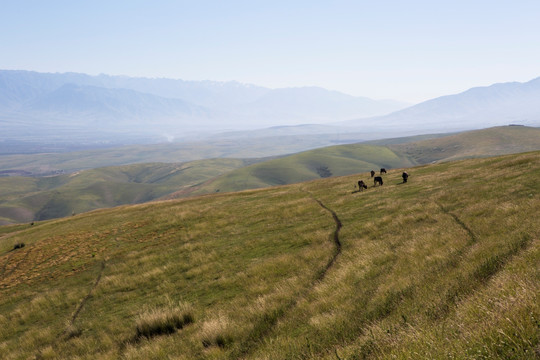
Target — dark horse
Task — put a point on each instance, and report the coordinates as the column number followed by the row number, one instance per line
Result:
column 405, row 176
column 361, row 185
column 383, row 171
column 372, row 173
column 377, row 179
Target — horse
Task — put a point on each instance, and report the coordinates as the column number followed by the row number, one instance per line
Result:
column 405, row 176
column 377, row 179
column 361, row 185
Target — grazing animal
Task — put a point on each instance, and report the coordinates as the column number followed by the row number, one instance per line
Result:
column 361, row 185
column 405, row 176
column 383, row 171
column 372, row 173
column 377, row 179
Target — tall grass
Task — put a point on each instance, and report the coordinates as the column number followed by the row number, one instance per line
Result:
column 163, row 321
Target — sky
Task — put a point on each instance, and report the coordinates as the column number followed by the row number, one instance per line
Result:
column 410, row 51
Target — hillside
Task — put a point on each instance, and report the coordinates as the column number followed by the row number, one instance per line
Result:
column 478, row 143
column 444, row 266
column 25, row 199
column 363, row 157
column 309, row 165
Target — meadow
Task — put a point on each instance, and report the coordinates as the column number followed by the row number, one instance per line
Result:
column 444, row 266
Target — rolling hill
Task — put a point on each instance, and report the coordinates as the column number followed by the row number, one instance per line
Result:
column 445, row 266
column 25, row 199
column 477, row 143
column 363, row 157
column 325, row 162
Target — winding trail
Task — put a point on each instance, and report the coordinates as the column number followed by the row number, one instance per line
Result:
column 269, row 320
column 65, row 335
column 335, row 236
column 85, row 299
column 483, row 272
column 472, row 236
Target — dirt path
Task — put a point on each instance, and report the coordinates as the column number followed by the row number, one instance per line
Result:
column 472, row 236
column 335, row 236
column 85, row 299
column 269, row 320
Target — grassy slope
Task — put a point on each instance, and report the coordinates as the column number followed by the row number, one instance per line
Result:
column 487, row 142
column 445, row 266
column 354, row 158
column 339, row 160
column 26, row 199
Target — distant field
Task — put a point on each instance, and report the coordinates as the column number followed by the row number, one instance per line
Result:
column 24, row 199
column 174, row 152
column 444, row 266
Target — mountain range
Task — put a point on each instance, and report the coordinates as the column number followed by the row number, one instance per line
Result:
column 71, row 111
column 479, row 107
column 83, row 107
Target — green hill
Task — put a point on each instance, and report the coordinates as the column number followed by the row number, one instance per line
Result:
column 309, row 165
column 444, row 266
column 479, row 143
column 25, row 199
column 389, row 154
column 28, row 199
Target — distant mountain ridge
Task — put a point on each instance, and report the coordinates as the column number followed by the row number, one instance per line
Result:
column 479, row 107
column 39, row 104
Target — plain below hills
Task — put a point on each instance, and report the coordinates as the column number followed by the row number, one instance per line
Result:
column 442, row 267
column 26, row 199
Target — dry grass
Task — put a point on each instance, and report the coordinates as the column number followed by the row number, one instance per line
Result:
column 163, row 321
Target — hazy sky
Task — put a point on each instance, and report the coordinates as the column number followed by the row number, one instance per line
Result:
column 405, row 50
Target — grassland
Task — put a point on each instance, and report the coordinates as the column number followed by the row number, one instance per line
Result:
column 309, row 165
column 444, row 266
column 24, row 199
column 472, row 144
